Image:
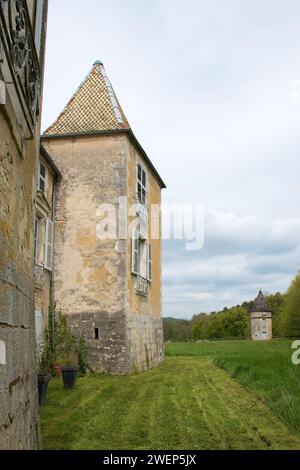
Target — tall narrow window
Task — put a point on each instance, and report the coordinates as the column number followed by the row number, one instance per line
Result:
column 135, row 253
column 42, row 178
column 49, row 245
column 149, row 261
column 96, row 330
column 37, row 239
column 141, row 184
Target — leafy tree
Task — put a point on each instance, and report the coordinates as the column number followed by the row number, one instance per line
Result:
column 233, row 322
column 177, row 330
column 291, row 309
column 236, row 322
column 199, row 326
column 276, row 303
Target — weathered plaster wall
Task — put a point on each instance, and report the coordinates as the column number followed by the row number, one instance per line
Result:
column 90, row 274
column 93, row 282
column 261, row 326
column 144, row 323
column 19, row 426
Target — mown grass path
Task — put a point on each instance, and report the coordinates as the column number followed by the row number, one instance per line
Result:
column 264, row 367
column 187, row 403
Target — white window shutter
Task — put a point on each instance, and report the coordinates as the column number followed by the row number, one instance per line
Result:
column 135, row 253
column 42, row 177
column 49, row 245
column 149, row 261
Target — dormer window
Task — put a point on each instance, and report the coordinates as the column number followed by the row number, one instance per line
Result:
column 42, row 177
column 141, row 184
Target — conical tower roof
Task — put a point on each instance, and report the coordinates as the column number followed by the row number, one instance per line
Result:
column 260, row 304
column 93, row 108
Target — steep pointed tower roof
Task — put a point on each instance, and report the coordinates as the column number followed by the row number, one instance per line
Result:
column 260, row 304
column 93, row 108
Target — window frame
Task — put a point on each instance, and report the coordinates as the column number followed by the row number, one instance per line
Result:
column 37, row 241
column 42, row 178
column 143, row 185
column 49, row 245
column 149, row 261
column 135, row 247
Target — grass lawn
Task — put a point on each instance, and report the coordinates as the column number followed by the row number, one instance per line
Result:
column 187, row 403
column 263, row 367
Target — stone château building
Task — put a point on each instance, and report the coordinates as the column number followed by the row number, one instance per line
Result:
column 22, row 45
column 261, row 319
column 109, row 287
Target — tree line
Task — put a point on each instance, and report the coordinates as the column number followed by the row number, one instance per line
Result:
column 234, row 322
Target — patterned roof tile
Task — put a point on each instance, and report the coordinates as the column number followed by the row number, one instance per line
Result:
column 93, row 108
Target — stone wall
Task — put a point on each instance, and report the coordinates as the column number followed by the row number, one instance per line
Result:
column 19, row 148
column 106, row 339
column 261, row 326
column 145, row 340
column 19, row 424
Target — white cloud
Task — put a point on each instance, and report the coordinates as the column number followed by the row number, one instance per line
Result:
column 241, row 255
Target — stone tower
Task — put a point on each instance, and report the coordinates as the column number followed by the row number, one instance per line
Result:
column 261, row 319
column 109, row 288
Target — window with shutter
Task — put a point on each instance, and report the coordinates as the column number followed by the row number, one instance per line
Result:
column 37, row 239
column 149, row 262
column 135, row 253
column 49, row 245
column 42, row 178
column 141, row 184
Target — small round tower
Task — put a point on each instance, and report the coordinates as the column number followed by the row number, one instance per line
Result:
column 261, row 319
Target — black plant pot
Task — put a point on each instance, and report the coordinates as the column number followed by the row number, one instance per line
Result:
column 69, row 374
column 43, row 381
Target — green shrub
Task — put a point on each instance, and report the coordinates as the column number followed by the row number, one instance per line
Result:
column 68, row 349
column 46, row 356
column 82, row 351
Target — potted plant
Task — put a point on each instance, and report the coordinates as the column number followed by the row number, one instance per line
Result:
column 44, row 376
column 69, row 369
column 70, row 355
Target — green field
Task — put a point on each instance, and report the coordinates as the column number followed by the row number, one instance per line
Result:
column 263, row 367
column 187, row 403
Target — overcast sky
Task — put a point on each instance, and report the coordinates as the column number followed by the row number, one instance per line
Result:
column 207, row 87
